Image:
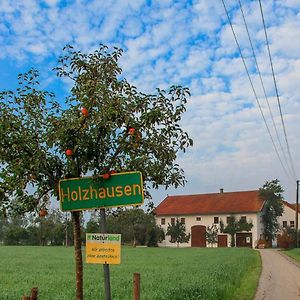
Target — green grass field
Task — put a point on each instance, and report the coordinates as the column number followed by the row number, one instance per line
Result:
column 171, row 274
column 294, row 253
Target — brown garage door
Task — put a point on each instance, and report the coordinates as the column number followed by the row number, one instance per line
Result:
column 244, row 239
column 198, row 236
column 222, row 240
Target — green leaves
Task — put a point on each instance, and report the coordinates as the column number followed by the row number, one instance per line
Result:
column 37, row 131
column 271, row 192
column 177, row 233
column 211, row 234
column 233, row 226
column 24, row 155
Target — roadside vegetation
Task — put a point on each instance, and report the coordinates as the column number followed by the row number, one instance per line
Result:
column 55, row 229
column 293, row 253
column 184, row 273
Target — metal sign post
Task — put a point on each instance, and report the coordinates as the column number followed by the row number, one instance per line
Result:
column 105, row 266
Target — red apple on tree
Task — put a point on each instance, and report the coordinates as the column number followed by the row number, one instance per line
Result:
column 131, row 131
column 84, row 111
column 69, row 152
column 106, row 176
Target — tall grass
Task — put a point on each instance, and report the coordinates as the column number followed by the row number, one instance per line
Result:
column 171, row 274
column 294, row 253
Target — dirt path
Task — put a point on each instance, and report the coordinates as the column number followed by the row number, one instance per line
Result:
column 280, row 278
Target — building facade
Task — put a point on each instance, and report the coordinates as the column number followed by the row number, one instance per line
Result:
column 288, row 218
column 198, row 212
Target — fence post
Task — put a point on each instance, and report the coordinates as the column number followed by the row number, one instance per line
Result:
column 34, row 293
column 136, row 286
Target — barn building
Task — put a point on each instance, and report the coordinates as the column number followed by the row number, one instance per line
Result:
column 199, row 211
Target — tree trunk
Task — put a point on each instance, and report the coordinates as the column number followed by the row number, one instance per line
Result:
column 232, row 243
column 78, row 254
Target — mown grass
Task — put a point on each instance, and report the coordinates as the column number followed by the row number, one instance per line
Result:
column 170, row 274
column 294, row 253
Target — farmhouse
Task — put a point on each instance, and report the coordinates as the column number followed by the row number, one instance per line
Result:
column 199, row 211
column 289, row 215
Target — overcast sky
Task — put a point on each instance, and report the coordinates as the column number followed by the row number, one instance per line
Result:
column 188, row 43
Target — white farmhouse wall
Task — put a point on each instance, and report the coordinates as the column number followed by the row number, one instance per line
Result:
column 288, row 216
column 260, row 228
column 208, row 220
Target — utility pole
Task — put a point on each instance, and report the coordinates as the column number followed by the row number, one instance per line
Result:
column 297, row 205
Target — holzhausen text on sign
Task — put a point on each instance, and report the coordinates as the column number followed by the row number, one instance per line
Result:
column 90, row 193
column 103, row 248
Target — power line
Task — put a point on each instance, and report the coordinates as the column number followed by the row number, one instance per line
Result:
column 263, row 87
column 253, row 89
column 276, row 90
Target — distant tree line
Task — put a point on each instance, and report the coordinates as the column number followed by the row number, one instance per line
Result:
column 136, row 227
column 54, row 229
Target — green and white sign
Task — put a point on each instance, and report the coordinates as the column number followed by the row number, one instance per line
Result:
column 89, row 193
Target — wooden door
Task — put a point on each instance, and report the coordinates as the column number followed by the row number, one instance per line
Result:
column 222, row 240
column 244, row 239
column 198, row 236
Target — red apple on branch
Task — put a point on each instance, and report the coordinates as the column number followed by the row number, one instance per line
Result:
column 69, row 152
column 84, row 111
column 106, row 176
column 131, row 131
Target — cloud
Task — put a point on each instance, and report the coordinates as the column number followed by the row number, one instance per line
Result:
column 186, row 43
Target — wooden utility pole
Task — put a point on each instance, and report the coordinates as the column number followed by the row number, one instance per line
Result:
column 297, row 206
column 105, row 266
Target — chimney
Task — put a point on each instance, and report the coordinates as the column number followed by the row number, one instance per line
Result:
column 221, row 191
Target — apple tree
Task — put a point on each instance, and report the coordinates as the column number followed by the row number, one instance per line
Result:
column 105, row 125
column 177, row 232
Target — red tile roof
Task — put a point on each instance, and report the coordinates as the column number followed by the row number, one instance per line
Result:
column 221, row 203
column 292, row 205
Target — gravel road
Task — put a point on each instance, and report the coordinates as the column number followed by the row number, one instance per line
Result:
column 280, row 278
